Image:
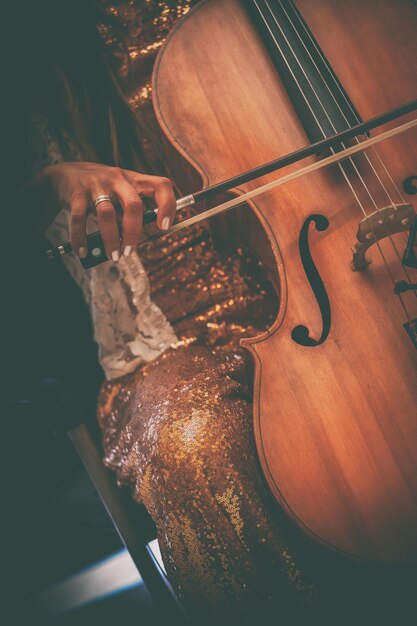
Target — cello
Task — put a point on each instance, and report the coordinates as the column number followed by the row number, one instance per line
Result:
column 237, row 84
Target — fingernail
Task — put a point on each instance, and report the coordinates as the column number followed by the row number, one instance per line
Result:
column 82, row 253
column 127, row 250
column 115, row 255
column 165, row 223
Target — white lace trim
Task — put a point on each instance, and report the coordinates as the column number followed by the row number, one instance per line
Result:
column 128, row 327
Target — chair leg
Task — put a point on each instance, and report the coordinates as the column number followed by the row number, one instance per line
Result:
column 60, row 409
column 154, row 579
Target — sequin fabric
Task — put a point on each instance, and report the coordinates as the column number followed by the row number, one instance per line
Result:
column 129, row 328
column 179, row 432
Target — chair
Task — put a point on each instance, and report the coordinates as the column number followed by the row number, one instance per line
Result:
column 54, row 403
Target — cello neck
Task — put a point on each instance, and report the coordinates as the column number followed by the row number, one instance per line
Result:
column 320, row 100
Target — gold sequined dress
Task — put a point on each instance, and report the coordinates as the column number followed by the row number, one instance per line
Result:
column 179, row 429
column 179, row 432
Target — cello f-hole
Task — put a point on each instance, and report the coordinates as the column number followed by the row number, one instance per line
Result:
column 300, row 334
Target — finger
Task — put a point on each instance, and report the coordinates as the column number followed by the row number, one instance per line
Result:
column 132, row 207
column 107, row 221
column 79, row 207
column 162, row 190
column 165, row 201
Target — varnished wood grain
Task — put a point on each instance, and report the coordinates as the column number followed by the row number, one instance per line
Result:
column 335, row 425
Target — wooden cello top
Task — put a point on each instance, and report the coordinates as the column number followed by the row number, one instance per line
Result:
column 335, row 423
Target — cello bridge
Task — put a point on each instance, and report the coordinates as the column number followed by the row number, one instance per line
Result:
column 378, row 225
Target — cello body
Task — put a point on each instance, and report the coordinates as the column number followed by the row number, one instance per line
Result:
column 335, row 404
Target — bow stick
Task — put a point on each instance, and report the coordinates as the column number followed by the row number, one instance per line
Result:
column 94, row 239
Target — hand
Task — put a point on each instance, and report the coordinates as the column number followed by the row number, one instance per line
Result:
column 77, row 185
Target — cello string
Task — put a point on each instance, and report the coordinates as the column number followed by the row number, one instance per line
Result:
column 245, row 196
column 347, row 101
column 328, row 89
column 378, row 156
column 397, row 253
column 332, row 125
column 376, row 153
column 399, row 257
column 321, row 129
column 317, row 96
column 388, row 269
column 305, row 97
